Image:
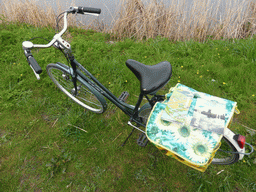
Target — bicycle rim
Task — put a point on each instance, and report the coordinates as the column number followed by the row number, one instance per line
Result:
column 221, row 157
column 226, row 153
column 86, row 97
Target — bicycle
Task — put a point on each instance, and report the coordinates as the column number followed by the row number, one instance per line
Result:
column 88, row 92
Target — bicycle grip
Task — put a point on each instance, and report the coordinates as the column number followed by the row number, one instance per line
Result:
column 88, row 10
column 34, row 64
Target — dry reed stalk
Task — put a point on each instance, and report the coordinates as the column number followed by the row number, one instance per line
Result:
column 230, row 26
column 180, row 22
column 29, row 11
column 177, row 21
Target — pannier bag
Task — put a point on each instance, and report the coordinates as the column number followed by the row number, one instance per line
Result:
column 188, row 125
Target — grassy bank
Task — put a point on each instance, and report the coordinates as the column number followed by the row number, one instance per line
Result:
column 42, row 150
column 179, row 20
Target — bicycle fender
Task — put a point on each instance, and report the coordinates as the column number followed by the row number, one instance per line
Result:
column 229, row 135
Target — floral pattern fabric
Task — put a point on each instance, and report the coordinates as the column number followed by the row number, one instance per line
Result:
column 184, row 127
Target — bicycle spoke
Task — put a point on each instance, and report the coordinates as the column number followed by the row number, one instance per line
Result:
column 84, row 97
column 68, row 87
column 90, row 102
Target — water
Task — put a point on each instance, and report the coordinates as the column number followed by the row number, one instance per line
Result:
column 110, row 7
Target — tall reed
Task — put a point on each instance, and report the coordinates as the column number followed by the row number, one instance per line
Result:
column 30, row 12
column 150, row 18
column 182, row 21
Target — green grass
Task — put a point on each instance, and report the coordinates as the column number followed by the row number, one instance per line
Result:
column 40, row 149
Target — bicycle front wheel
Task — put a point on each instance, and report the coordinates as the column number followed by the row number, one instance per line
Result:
column 86, row 96
column 226, row 154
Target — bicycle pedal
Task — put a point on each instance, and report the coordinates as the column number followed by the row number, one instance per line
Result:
column 142, row 140
column 124, row 96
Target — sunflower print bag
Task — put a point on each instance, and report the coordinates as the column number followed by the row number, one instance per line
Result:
column 189, row 125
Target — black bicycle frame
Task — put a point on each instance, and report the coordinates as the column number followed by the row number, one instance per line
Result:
column 130, row 110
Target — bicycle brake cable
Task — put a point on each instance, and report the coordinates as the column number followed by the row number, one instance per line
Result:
column 57, row 28
column 65, row 56
column 38, row 38
column 252, row 150
column 58, row 20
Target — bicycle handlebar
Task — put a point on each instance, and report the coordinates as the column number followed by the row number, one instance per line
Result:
column 34, row 64
column 88, row 10
column 27, row 45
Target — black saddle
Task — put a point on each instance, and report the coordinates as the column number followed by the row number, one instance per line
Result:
column 151, row 77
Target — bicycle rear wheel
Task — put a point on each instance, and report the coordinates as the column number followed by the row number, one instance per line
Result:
column 227, row 153
column 86, row 96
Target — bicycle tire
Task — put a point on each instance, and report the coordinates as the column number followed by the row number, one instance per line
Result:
column 221, row 157
column 86, row 96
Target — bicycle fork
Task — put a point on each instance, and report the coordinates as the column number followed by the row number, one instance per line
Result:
column 74, row 75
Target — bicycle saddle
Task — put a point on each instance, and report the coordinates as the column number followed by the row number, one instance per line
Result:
column 151, row 77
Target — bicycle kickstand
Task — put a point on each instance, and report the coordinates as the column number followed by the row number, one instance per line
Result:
column 128, row 137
